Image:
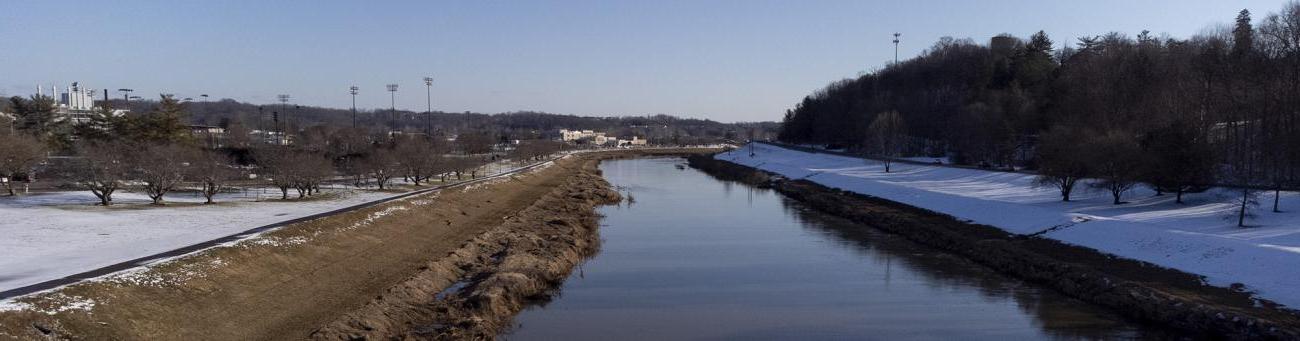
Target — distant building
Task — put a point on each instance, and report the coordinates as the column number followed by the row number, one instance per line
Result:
column 212, row 136
column 271, row 137
column 635, row 141
column 76, row 104
column 574, row 135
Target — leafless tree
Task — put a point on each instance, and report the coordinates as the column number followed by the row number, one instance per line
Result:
column 275, row 164
column 1116, row 161
column 381, row 166
column 886, row 133
column 19, row 156
column 419, row 157
column 1060, row 163
column 160, row 169
column 536, row 150
column 212, row 170
column 309, row 171
column 473, row 143
column 102, row 168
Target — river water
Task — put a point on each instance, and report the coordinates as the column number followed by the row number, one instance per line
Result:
column 697, row 258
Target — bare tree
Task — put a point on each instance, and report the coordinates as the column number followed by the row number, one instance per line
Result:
column 103, row 169
column 1060, row 161
column 535, row 149
column 19, row 156
column 309, row 171
column 381, row 166
column 1116, row 161
column 160, row 169
column 473, row 143
column 886, row 134
column 419, row 158
column 212, row 171
column 276, row 166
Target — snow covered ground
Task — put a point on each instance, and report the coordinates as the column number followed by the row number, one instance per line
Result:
column 47, row 236
column 52, row 235
column 1199, row 236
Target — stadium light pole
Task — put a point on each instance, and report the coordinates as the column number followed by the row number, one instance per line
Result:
column 392, row 102
column 428, row 105
column 284, row 107
column 353, row 90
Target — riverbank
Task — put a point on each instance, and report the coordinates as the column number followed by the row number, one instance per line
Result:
column 1141, row 291
column 327, row 275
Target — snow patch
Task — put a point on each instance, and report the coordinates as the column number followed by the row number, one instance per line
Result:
column 51, row 304
column 1192, row 237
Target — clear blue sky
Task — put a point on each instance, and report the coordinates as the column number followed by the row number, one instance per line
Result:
column 724, row 60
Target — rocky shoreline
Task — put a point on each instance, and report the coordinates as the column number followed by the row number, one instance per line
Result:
column 1138, row 290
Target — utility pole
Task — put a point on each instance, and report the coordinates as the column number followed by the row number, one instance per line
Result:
column 392, row 99
column 896, row 35
column 428, row 111
column 126, row 94
column 353, row 90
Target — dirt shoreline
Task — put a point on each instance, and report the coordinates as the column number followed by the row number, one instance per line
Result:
column 366, row 272
column 1141, row 291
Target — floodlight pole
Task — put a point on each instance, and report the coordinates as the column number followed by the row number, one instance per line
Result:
column 428, row 111
column 392, row 101
column 353, row 90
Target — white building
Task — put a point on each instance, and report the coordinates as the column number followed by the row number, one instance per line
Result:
column 75, row 104
column 574, row 135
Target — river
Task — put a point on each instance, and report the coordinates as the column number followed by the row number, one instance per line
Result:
column 693, row 257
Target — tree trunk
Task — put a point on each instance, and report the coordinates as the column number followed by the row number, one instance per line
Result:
column 1178, row 196
column 284, row 193
column 1277, row 193
column 209, row 190
column 1241, row 212
column 1115, row 193
column 103, row 198
column 1066, row 188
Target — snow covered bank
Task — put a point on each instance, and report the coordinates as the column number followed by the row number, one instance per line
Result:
column 51, row 235
column 1193, row 237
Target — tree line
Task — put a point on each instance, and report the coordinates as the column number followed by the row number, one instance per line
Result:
column 1219, row 108
column 155, row 153
column 522, row 125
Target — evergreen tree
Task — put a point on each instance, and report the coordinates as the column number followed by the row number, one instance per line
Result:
column 164, row 125
column 1243, row 35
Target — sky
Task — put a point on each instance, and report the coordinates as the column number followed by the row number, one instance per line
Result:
column 723, row 60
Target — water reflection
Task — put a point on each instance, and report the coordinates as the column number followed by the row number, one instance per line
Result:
column 698, row 258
